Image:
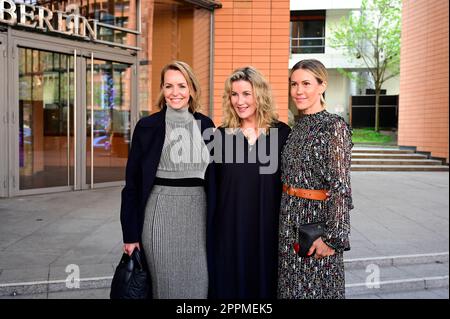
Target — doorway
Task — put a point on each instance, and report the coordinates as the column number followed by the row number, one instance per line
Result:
column 71, row 115
column 3, row 118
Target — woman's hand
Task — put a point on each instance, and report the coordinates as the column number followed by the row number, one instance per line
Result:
column 322, row 249
column 129, row 248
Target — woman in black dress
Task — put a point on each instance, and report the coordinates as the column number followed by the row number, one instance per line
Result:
column 315, row 159
column 249, row 189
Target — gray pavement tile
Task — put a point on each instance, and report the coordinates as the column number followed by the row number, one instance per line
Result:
column 101, row 293
column 396, row 213
column 8, row 238
column 18, row 259
column 427, row 270
column 86, row 251
column 419, row 294
column 24, row 274
column 353, row 277
column 45, row 243
column 71, row 226
column 83, row 270
column 442, row 293
column 100, row 213
column 114, row 256
column 28, row 296
column 366, row 296
column 385, row 273
column 416, row 294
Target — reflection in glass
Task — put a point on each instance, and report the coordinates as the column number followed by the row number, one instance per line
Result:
column 119, row 13
column 45, row 138
column 112, row 104
column 178, row 31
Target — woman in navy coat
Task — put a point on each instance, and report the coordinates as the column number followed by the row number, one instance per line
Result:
column 168, row 200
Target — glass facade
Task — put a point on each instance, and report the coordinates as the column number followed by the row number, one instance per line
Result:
column 172, row 30
column 45, row 109
column 111, row 121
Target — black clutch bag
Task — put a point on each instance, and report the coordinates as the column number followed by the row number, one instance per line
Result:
column 307, row 234
column 131, row 279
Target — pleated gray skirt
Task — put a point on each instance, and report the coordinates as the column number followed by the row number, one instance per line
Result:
column 174, row 241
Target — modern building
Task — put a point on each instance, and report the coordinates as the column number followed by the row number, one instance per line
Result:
column 312, row 22
column 423, row 105
column 76, row 76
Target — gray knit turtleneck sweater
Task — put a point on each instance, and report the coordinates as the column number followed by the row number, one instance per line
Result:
column 184, row 153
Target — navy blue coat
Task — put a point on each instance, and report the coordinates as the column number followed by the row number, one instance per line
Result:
column 142, row 164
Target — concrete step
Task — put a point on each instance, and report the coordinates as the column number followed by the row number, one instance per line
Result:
column 381, row 151
column 399, row 260
column 52, row 286
column 388, row 156
column 390, row 286
column 399, row 168
column 385, row 275
column 433, row 293
column 370, row 161
column 413, row 272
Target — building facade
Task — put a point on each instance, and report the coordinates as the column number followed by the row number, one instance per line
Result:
column 312, row 22
column 76, row 76
column 252, row 32
column 423, row 105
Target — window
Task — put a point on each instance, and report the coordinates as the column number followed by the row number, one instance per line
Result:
column 308, row 31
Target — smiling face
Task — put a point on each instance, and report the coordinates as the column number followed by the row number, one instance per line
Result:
column 306, row 91
column 243, row 100
column 175, row 89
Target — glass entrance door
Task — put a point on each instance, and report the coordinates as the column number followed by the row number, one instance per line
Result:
column 108, row 118
column 45, row 119
column 4, row 188
column 71, row 116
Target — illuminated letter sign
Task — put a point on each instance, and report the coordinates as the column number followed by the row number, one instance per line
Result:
column 40, row 18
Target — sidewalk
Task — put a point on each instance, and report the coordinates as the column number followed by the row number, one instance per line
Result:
column 44, row 238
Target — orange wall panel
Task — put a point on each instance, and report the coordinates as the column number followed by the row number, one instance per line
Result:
column 252, row 32
column 424, row 77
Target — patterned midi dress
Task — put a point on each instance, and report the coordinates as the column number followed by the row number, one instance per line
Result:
column 317, row 155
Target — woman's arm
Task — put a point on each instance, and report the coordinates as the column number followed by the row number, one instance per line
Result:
column 337, row 228
column 129, row 211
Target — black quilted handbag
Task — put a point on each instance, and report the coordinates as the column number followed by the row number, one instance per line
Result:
column 131, row 279
column 307, row 234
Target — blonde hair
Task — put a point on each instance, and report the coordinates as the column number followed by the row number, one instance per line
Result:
column 192, row 82
column 265, row 105
column 317, row 69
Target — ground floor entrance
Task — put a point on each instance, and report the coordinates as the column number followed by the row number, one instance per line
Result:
column 66, row 113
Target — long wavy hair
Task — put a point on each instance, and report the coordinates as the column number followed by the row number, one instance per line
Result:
column 192, row 82
column 265, row 105
column 317, row 69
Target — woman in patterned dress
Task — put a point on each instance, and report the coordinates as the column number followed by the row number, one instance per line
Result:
column 316, row 157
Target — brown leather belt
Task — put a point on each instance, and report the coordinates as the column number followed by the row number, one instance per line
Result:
column 315, row 194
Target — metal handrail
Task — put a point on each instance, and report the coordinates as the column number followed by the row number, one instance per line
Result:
column 75, row 119
column 299, row 46
column 316, row 38
column 92, row 120
column 68, row 120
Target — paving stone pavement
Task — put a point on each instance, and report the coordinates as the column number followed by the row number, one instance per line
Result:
column 46, row 238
